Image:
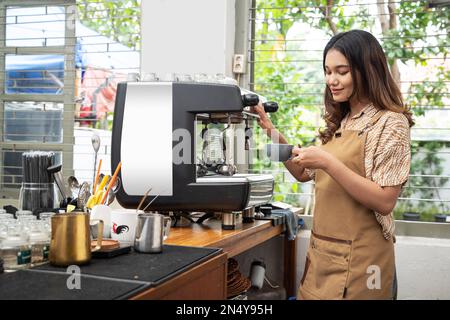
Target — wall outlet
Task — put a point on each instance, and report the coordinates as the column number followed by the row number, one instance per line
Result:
column 239, row 63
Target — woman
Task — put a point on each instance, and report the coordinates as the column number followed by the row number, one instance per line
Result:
column 359, row 170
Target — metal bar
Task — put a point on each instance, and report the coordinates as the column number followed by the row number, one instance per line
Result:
column 107, row 44
column 63, row 38
column 2, row 84
column 362, row 15
column 25, row 145
column 339, row 5
column 34, row 50
column 63, row 20
column 411, row 175
column 312, row 50
column 59, row 14
column 320, row 60
column 39, row 3
column 69, row 71
column 426, row 200
column 407, row 199
column 32, row 97
column 322, row 83
column 69, row 88
column 304, row 94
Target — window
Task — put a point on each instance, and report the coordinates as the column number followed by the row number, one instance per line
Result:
column 286, row 58
column 59, row 66
column 37, row 85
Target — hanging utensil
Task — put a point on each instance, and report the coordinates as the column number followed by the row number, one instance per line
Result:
column 143, row 199
column 74, row 185
column 97, row 177
column 96, row 145
column 113, row 191
column 83, row 195
column 111, row 182
column 59, row 179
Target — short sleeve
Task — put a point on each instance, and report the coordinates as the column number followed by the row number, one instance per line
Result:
column 392, row 159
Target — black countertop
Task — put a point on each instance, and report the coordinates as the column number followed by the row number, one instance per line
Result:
column 120, row 277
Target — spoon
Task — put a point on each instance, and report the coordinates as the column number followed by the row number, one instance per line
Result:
column 112, row 192
column 83, row 195
column 74, row 185
column 96, row 145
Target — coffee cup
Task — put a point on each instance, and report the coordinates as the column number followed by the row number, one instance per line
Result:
column 279, row 152
column 123, row 225
column 102, row 212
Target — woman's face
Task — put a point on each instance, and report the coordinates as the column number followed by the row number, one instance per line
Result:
column 338, row 76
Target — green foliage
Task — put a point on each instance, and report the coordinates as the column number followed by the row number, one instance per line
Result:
column 296, row 85
column 425, row 162
column 118, row 19
column 431, row 92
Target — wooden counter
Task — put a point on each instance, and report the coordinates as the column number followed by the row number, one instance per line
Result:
column 208, row 281
column 234, row 242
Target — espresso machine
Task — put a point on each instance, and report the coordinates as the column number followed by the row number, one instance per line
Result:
column 177, row 140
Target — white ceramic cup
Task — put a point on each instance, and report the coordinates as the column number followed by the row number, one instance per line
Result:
column 102, row 212
column 279, row 152
column 123, row 225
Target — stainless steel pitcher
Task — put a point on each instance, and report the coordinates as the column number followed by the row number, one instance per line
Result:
column 151, row 230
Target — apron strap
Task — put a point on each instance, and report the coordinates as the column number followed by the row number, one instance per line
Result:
column 377, row 116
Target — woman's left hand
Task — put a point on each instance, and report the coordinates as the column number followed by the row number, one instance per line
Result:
column 312, row 157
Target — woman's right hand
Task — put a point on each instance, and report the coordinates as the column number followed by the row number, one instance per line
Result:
column 263, row 121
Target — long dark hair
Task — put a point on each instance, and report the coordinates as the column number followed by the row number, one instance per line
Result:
column 371, row 79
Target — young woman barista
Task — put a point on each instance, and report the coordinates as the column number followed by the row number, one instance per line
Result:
column 359, row 170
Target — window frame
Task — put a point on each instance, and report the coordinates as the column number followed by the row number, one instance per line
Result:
column 67, row 98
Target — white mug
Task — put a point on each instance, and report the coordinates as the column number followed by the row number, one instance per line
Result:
column 123, row 225
column 102, row 212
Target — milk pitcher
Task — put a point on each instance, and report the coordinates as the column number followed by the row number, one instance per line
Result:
column 151, row 230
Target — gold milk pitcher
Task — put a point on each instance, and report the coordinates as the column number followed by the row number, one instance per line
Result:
column 71, row 239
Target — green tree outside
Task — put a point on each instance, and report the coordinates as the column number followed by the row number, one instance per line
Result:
column 294, row 78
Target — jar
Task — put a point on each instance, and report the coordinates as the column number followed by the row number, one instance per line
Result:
column 152, row 77
column 3, row 231
column 200, row 77
column 6, row 216
column 20, row 213
column 46, row 215
column 15, row 250
column 39, row 240
column 183, row 78
column 26, row 218
column 35, row 196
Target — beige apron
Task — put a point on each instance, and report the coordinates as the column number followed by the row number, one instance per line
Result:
column 348, row 257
